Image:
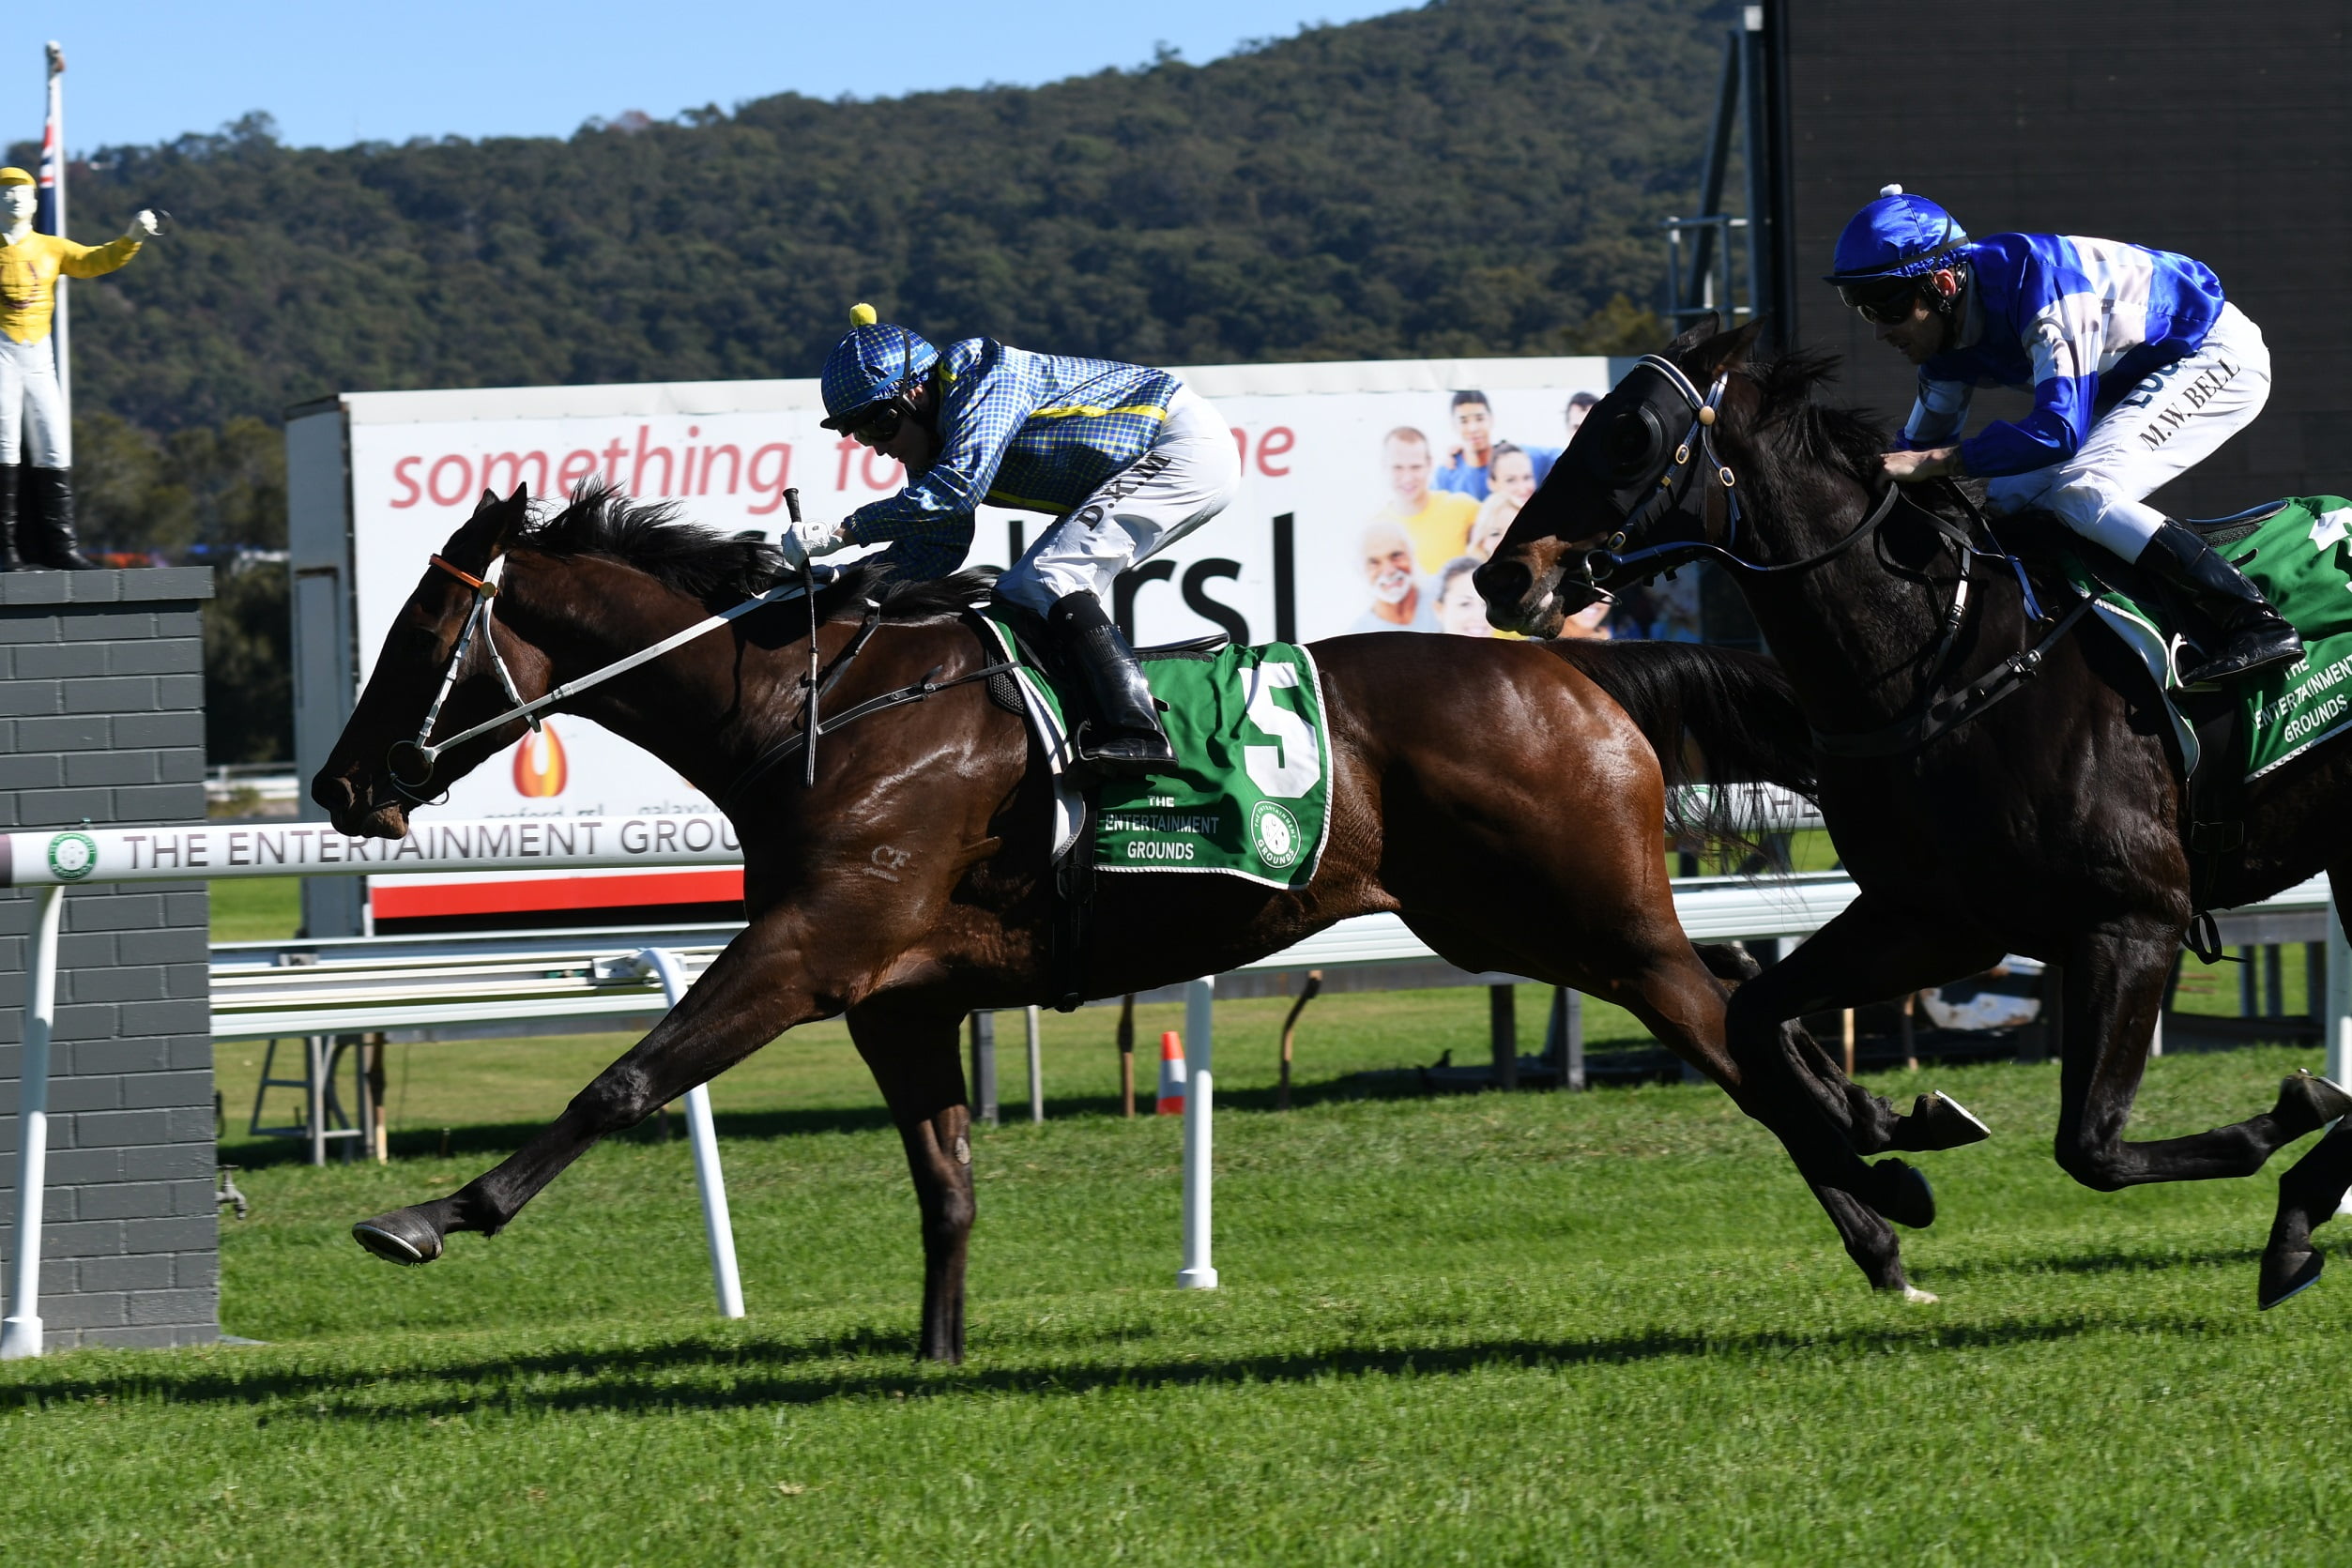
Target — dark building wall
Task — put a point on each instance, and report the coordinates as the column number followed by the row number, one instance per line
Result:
column 102, row 718
column 2221, row 132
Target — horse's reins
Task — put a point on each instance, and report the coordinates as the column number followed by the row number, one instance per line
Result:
column 485, row 589
column 1934, row 714
column 478, row 618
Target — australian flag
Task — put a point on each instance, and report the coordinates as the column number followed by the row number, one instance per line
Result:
column 50, row 218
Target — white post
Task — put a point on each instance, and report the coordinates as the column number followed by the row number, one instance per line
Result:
column 717, row 1226
column 1036, row 1072
column 20, row 1331
column 55, row 131
column 1199, row 1081
column 2336, row 1019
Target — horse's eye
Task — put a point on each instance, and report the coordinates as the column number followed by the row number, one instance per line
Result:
column 1635, row 441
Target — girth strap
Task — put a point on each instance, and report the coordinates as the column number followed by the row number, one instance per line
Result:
column 1943, row 714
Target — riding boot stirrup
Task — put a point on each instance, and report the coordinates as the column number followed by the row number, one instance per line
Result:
column 2254, row 636
column 1124, row 734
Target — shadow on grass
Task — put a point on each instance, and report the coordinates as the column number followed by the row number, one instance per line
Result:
column 2110, row 1261
column 697, row 1374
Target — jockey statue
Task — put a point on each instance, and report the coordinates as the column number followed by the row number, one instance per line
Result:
column 2138, row 366
column 33, row 420
column 1128, row 459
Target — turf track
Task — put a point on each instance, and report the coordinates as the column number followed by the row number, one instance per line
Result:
column 1607, row 1328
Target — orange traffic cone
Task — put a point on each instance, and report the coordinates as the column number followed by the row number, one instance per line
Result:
column 1171, row 1098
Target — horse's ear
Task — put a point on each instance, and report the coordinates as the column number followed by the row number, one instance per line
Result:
column 1704, row 358
column 485, row 536
column 1698, row 332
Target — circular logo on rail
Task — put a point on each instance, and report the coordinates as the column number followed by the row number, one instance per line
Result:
column 1275, row 832
column 72, row 856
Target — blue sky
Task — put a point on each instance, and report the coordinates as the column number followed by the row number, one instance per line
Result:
column 144, row 71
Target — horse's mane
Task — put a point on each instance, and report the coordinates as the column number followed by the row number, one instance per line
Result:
column 724, row 568
column 1846, row 440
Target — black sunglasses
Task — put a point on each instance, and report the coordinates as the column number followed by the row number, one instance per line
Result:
column 1887, row 303
column 881, row 423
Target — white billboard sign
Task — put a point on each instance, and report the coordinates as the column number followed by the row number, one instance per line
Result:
column 1360, row 491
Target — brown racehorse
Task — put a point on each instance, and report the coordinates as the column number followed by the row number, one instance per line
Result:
column 1492, row 793
column 2048, row 823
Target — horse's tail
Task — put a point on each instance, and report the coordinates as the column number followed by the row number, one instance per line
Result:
column 1718, row 718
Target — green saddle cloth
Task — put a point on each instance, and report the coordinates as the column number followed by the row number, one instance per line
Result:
column 2300, row 558
column 1250, row 795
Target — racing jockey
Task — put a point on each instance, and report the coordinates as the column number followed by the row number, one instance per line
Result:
column 1128, row 461
column 2139, row 368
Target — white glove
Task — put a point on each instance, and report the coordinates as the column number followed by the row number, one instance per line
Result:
column 801, row 540
column 143, row 224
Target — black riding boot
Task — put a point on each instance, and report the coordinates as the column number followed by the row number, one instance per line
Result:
column 2257, row 637
column 1124, row 734
column 8, row 559
column 47, row 537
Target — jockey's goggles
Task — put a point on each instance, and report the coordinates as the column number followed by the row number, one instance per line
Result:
column 875, row 425
column 1883, row 301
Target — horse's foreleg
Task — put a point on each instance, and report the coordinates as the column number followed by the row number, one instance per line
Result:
column 914, row 1055
column 754, row 991
column 2113, row 985
column 2313, row 1188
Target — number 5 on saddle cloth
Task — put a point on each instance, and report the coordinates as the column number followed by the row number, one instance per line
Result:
column 1249, row 797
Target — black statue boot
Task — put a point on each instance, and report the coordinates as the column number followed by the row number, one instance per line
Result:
column 9, row 561
column 46, row 533
column 2256, row 637
column 1123, row 735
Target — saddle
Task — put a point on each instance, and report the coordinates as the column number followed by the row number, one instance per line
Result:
column 1249, row 794
column 2225, row 737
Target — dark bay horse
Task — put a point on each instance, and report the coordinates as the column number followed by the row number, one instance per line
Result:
column 1507, row 798
column 2048, row 824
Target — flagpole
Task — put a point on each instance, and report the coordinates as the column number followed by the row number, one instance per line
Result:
column 53, row 176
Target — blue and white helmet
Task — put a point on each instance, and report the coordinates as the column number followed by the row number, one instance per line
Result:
column 873, row 361
column 1897, row 235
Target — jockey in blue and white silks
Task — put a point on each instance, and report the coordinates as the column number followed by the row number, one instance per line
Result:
column 1126, row 459
column 2139, row 367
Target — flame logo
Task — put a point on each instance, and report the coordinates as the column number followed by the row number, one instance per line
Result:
column 540, row 767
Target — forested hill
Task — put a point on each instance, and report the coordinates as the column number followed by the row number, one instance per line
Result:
column 1476, row 177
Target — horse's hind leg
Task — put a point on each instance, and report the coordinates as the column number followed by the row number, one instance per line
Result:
column 1872, row 1123
column 1683, row 1005
column 912, row 1052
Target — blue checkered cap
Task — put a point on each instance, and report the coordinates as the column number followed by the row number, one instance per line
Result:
column 873, row 361
column 1898, row 235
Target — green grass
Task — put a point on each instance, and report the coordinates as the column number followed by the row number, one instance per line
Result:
column 1606, row 1327
column 256, row 909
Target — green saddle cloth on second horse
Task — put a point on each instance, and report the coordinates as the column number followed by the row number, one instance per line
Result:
column 1250, row 795
column 2300, row 558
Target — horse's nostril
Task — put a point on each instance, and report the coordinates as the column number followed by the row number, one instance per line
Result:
column 1502, row 582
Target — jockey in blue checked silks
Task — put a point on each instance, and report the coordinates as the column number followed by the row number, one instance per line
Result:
column 2138, row 365
column 1127, row 460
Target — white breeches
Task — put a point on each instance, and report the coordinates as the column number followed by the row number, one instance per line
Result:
column 2163, row 427
column 1188, row 477
column 32, row 424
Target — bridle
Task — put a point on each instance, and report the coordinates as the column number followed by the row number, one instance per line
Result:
column 1938, row 710
column 485, row 588
column 423, row 748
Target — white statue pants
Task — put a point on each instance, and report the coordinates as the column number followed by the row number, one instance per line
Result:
column 1188, row 477
column 2166, row 426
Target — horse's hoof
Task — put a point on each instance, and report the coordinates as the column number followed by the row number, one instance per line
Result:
column 2287, row 1273
column 2318, row 1101
column 1918, row 1297
column 1939, row 1121
column 1905, row 1197
column 399, row 1236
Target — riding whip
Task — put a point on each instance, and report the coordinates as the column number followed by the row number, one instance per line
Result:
column 808, row 587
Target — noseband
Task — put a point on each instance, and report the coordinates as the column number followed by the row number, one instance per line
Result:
column 478, row 618
column 1938, row 709
column 477, row 621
